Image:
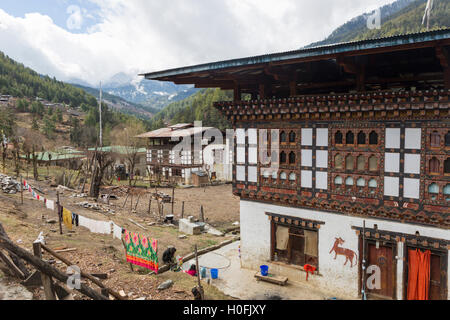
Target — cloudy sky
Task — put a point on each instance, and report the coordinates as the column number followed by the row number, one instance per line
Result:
column 93, row 40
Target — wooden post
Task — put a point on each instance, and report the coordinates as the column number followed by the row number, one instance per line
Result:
column 126, row 199
column 182, row 211
column 46, row 280
column 202, row 215
column 131, row 202
column 173, row 199
column 125, row 247
column 137, row 202
column 59, row 209
column 200, row 288
column 150, row 203
column 21, row 189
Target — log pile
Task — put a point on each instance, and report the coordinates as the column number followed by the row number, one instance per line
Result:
column 9, row 185
column 12, row 257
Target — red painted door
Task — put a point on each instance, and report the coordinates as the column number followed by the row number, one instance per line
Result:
column 383, row 258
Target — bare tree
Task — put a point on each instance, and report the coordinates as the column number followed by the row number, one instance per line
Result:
column 102, row 161
column 125, row 136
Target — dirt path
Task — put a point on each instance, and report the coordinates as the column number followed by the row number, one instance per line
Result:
column 12, row 291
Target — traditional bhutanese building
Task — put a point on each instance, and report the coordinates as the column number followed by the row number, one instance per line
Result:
column 363, row 134
column 165, row 163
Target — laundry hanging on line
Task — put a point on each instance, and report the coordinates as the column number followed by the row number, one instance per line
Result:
column 141, row 251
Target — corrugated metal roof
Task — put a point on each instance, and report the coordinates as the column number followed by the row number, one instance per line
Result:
column 169, row 133
column 391, row 41
column 117, row 149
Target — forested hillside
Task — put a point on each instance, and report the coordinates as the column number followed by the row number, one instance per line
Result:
column 409, row 20
column 400, row 17
column 19, row 81
column 198, row 107
column 26, row 85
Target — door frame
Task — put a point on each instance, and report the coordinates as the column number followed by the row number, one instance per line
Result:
column 386, row 243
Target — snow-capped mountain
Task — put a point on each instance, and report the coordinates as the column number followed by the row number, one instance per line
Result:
column 142, row 91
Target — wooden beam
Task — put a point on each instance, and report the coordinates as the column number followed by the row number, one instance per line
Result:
column 83, row 274
column 443, row 55
column 46, row 268
column 47, row 281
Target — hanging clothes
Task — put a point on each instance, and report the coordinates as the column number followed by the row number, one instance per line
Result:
column 50, row 204
column 75, row 219
column 418, row 274
column 282, row 238
column 311, row 243
column 67, row 218
column 102, row 227
column 141, row 251
column 117, row 231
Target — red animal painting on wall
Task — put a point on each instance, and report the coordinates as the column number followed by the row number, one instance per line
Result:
column 349, row 254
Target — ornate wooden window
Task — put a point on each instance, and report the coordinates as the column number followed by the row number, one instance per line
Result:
column 373, row 138
column 292, row 136
column 361, row 163
column 361, row 138
column 283, row 176
column 295, row 245
column 435, row 139
column 373, row 185
column 447, row 166
column 434, row 166
column 433, row 191
column 447, row 139
column 361, row 182
column 283, row 157
column 274, row 175
column 349, row 182
column 349, row 163
column 447, row 192
column 339, row 161
column 292, row 177
column 338, row 181
column 350, row 138
column 373, row 163
column 338, row 137
column 283, row 137
column 292, row 158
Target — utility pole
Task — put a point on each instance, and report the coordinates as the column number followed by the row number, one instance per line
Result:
column 100, row 114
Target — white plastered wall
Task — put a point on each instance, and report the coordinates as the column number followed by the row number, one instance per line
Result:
column 334, row 276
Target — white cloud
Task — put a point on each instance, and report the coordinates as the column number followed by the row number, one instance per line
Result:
column 147, row 35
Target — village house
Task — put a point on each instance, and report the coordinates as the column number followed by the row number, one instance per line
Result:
column 210, row 158
column 358, row 134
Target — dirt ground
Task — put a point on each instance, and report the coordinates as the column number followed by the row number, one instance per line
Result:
column 103, row 254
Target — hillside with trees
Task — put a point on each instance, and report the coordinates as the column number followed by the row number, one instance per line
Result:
column 400, row 17
column 198, row 107
column 69, row 116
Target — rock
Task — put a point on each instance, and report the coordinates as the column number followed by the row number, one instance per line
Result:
column 236, row 223
column 183, row 236
column 141, row 299
column 51, row 221
column 122, row 293
column 165, row 285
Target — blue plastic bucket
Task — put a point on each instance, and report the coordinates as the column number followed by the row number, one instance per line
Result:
column 214, row 273
column 264, row 271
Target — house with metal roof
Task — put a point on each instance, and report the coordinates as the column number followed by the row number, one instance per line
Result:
column 174, row 153
column 341, row 160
